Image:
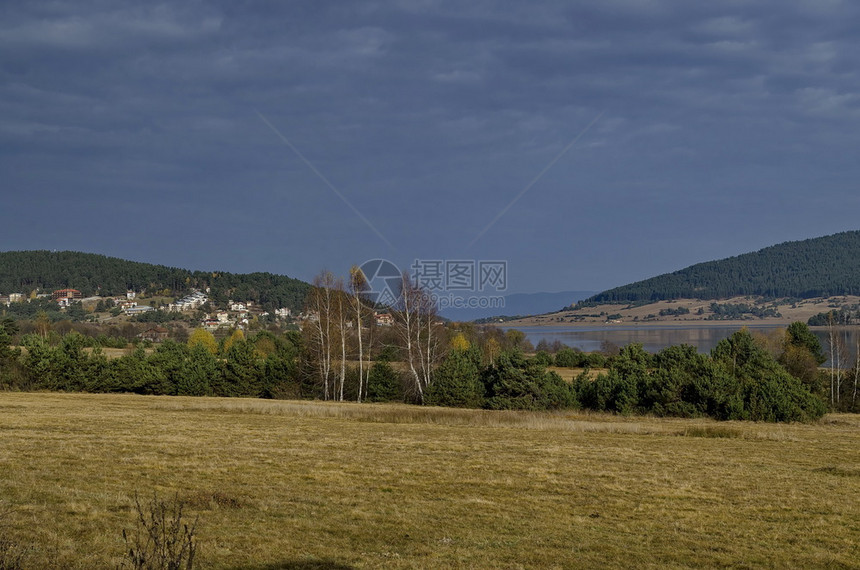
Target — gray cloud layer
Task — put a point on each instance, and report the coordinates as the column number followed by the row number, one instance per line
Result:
column 132, row 130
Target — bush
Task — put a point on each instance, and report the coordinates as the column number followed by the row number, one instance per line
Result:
column 162, row 540
column 739, row 381
column 542, row 358
column 242, row 372
column 384, row 383
column 515, row 383
column 595, row 360
column 570, row 358
column 197, row 372
column 12, row 554
column 608, row 393
column 457, row 381
column 763, row 390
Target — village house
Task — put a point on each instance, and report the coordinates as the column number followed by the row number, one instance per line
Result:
column 155, row 334
column 16, row 297
column 69, row 294
column 383, row 319
column 311, row 316
column 124, row 303
column 138, row 310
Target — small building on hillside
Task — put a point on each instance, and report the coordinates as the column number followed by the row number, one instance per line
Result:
column 16, row 297
column 155, row 334
column 384, row 319
column 70, row 294
column 138, row 310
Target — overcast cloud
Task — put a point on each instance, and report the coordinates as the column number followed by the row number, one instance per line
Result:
column 135, row 130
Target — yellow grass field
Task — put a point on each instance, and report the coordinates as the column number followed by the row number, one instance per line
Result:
column 315, row 485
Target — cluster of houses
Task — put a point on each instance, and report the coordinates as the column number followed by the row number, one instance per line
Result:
column 220, row 319
column 63, row 297
column 238, row 315
column 189, row 302
column 382, row 319
column 12, row 298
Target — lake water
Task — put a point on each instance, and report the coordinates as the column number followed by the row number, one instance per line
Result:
column 656, row 338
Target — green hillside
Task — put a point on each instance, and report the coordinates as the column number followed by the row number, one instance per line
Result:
column 817, row 267
column 92, row 274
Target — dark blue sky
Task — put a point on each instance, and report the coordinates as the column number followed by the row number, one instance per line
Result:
column 156, row 132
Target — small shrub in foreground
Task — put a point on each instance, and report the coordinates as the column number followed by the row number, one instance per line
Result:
column 11, row 553
column 162, row 540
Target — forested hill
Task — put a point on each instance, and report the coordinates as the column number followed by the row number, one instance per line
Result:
column 817, row 267
column 92, row 274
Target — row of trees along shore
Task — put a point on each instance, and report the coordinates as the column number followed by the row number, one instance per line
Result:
column 342, row 354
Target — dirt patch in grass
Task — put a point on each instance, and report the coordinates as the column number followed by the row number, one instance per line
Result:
column 712, row 431
column 839, row 471
column 213, row 500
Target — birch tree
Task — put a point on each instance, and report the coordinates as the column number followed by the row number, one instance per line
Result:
column 856, row 373
column 837, row 353
column 319, row 327
column 831, row 348
column 419, row 332
column 357, row 287
column 341, row 321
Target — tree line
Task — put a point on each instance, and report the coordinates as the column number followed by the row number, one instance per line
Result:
column 466, row 366
column 263, row 366
column 344, row 353
column 843, row 316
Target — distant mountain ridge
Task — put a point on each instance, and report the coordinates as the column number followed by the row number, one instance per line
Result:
column 90, row 273
column 817, row 267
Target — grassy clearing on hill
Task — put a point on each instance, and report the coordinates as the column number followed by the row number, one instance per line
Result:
column 314, row 485
column 649, row 315
column 569, row 374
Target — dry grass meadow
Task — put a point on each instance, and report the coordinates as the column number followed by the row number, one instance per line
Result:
column 314, row 485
